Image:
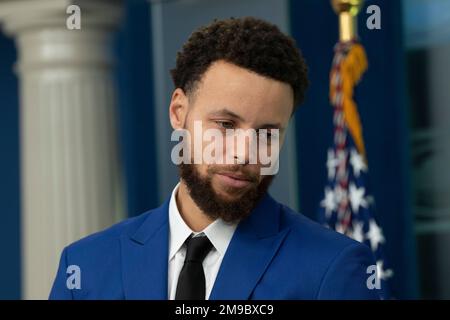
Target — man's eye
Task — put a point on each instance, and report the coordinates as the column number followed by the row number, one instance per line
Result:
column 225, row 124
column 267, row 133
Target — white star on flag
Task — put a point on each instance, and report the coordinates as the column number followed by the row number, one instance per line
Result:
column 357, row 163
column 329, row 202
column 357, row 197
column 332, row 163
column 375, row 235
column 358, row 233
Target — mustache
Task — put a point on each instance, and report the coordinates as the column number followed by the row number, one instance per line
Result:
column 238, row 170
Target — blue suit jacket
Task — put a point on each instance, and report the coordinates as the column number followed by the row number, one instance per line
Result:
column 275, row 253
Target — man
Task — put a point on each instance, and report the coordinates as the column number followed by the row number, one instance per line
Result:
column 220, row 235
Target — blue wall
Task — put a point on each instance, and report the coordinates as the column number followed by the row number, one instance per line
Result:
column 9, row 174
column 383, row 110
column 136, row 114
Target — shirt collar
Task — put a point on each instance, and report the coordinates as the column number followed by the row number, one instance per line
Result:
column 218, row 232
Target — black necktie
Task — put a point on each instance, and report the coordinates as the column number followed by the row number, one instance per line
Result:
column 191, row 282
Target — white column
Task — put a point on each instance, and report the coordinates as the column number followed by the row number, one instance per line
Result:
column 70, row 170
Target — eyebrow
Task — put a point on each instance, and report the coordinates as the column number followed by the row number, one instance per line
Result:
column 231, row 114
column 226, row 112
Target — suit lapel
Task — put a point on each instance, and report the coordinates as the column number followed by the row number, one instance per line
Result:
column 254, row 243
column 145, row 257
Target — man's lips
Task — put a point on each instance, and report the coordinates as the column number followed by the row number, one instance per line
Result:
column 235, row 176
column 234, row 180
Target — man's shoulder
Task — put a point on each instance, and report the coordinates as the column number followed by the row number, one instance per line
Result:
column 317, row 262
column 109, row 238
column 307, row 237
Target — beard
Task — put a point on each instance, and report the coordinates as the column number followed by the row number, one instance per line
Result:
column 213, row 204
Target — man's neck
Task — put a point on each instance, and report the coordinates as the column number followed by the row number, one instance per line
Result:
column 189, row 211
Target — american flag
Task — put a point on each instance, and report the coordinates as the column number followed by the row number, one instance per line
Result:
column 347, row 205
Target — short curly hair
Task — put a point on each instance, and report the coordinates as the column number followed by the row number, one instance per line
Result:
column 250, row 43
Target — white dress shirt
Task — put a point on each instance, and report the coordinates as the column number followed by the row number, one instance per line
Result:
column 218, row 232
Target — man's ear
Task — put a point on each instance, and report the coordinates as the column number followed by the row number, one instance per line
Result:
column 178, row 109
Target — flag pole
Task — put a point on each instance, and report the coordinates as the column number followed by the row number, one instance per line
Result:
column 349, row 64
column 347, row 10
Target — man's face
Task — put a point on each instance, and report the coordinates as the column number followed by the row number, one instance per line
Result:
column 230, row 97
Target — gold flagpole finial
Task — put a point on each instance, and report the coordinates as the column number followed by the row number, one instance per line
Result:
column 347, row 11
